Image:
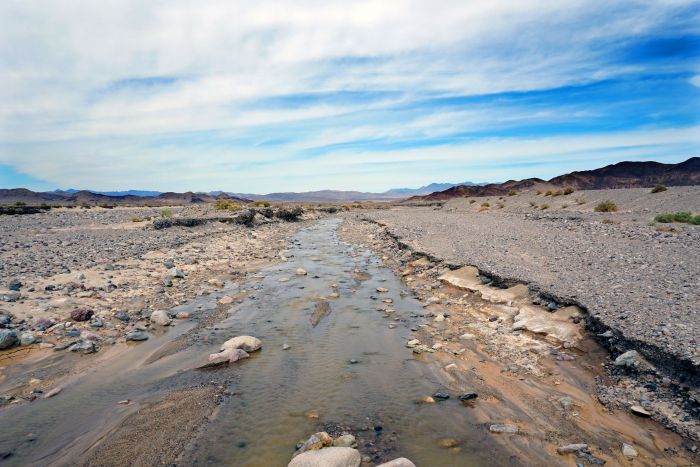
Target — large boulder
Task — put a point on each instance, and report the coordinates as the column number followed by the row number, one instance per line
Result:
column 247, row 343
column 8, row 339
column 400, row 462
column 228, row 356
column 161, row 318
column 328, row 457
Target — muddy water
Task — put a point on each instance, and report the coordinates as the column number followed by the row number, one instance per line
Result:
column 376, row 395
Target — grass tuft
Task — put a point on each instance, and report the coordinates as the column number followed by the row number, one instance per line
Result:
column 606, row 206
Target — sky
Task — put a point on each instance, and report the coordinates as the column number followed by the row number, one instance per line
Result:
column 298, row 95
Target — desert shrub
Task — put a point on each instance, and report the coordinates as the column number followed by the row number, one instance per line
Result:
column 472, row 201
column 539, row 192
column 533, row 204
column 580, row 201
column 45, row 205
column 166, row 213
column 544, row 206
column 227, row 205
column 609, row 221
column 512, row 193
column 557, row 193
column 564, row 206
column 548, row 193
column 20, row 203
column 680, row 216
column 606, row 206
column 659, row 188
column 136, row 219
column 568, row 190
column 500, row 205
column 261, row 204
column 485, row 205
column 290, row 214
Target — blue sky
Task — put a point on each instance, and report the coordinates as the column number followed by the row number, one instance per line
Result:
column 368, row 95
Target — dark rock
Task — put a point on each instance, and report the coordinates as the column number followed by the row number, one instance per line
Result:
column 81, row 314
column 11, row 296
column 84, row 346
column 441, row 395
column 136, row 336
column 63, row 346
column 15, row 285
column 467, row 396
column 4, row 320
column 122, row 316
column 8, row 339
column 169, row 263
column 42, row 324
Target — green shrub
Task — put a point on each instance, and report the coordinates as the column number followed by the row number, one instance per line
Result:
column 485, row 205
column 680, row 216
column 166, row 213
column 261, row 204
column 606, row 206
column 227, row 204
column 20, row 203
column 472, row 201
column 136, row 219
column 659, row 188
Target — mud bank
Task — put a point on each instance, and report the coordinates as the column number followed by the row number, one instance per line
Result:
column 610, row 388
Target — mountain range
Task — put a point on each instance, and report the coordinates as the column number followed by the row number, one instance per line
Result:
column 621, row 175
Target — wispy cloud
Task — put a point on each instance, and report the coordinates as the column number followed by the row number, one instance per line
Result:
column 282, row 95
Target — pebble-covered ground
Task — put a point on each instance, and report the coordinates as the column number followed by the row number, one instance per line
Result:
column 637, row 278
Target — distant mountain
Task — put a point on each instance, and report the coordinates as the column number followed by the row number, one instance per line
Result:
column 322, row 196
column 424, row 190
column 620, row 175
column 11, row 196
column 113, row 193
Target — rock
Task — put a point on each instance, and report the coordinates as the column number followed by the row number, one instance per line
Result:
column 312, row 415
column 425, row 400
column 439, row 318
column 81, row 314
column 301, row 272
column 639, row 411
column 182, row 315
column 11, row 296
column 136, row 336
column 441, row 396
column 53, row 392
column 5, row 320
column 161, row 318
column 46, row 345
column 345, row 441
column 285, row 347
column 468, row 396
column 400, row 462
column 353, row 361
column 84, row 346
column 109, row 267
column 566, row 402
column 467, row 337
column 447, row 443
column 316, row 441
column 412, row 343
column 329, row 457
column 169, row 263
column 503, row 428
column 122, row 316
column 97, row 323
column 247, row 343
column 42, row 324
column 631, row 359
column 228, row 356
column 226, row 300
column 14, row 285
column 167, row 282
column 382, row 290
column 27, row 338
column 569, row 448
column 629, row 450
column 8, row 339
column 176, row 273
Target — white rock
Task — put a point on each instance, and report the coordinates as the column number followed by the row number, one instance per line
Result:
column 569, row 448
column 328, row 457
column 160, row 317
column 628, row 450
column 247, row 343
column 301, row 272
column 503, row 428
column 228, row 356
column 400, row 462
column 412, row 343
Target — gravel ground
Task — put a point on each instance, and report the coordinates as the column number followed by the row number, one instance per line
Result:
column 639, row 280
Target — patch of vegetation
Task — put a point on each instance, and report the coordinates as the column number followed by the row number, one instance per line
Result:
column 606, row 206
column 683, row 217
column 539, row 192
column 20, row 203
column 568, row 190
column 137, row 219
column 659, row 188
column 564, row 206
column 472, row 201
column 532, row 204
column 610, row 221
column 544, row 206
column 227, row 205
column 485, row 205
column 500, row 205
column 290, row 214
column 512, row 193
column 557, row 193
column 580, row 201
column 261, row 204
column 166, row 213
column 548, row 193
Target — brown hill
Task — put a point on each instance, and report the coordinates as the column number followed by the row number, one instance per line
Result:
column 22, row 195
column 620, row 175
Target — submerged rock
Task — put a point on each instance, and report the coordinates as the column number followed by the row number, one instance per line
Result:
column 228, row 356
column 316, row 441
column 447, row 443
column 328, row 457
column 400, row 462
column 247, row 343
column 345, row 441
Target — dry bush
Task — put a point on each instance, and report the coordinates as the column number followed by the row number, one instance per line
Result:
column 606, row 206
